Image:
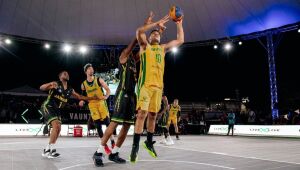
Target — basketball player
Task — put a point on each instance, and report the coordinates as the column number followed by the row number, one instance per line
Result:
column 150, row 83
column 174, row 116
column 93, row 86
column 163, row 116
column 125, row 104
column 59, row 94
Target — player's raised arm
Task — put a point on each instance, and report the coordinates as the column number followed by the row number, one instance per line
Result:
column 126, row 52
column 179, row 40
column 141, row 31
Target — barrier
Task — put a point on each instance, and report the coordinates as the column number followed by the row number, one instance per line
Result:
column 258, row 130
column 37, row 129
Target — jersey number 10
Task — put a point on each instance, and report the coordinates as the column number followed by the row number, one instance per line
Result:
column 158, row 58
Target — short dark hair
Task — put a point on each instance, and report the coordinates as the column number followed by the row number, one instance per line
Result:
column 88, row 65
column 155, row 30
column 60, row 73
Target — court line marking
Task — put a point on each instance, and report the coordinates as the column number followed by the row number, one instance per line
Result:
column 172, row 161
column 11, row 143
column 17, row 149
column 238, row 156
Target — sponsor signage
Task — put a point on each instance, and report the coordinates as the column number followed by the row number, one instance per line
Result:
column 37, row 129
column 258, row 130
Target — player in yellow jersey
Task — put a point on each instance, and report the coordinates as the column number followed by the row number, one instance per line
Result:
column 150, row 83
column 93, row 86
column 174, row 116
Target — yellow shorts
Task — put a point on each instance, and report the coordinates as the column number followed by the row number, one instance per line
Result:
column 99, row 110
column 149, row 99
column 172, row 120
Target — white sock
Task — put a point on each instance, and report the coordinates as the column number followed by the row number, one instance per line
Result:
column 100, row 149
column 48, row 147
column 115, row 149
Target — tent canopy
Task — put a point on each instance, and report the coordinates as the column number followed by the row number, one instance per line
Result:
column 111, row 22
column 24, row 91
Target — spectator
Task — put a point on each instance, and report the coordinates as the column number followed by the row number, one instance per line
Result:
column 3, row 115
column 231, row 122
column 251, row 117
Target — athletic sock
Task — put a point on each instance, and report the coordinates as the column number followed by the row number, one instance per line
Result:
column 100, row 149
column 149, row 137
column 115, row 149
column 136, row 139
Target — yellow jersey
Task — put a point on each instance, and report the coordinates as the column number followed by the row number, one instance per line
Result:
column 152, row 66
column 173, row 112
column 93, row 89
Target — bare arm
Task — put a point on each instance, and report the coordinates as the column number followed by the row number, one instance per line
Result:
column 141, row 31
column 48, row 86
column 81, row 103
column 166, row 107
column 178, row 41
column 105, row 86
column 126, row 52
column 179, row 113
column 80, row 97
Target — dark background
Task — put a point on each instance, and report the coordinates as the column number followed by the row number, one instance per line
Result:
column 193, row 74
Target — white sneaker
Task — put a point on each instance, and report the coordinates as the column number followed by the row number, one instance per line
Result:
column 169, row 141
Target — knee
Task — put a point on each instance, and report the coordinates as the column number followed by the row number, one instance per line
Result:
column 141, row 115
column 56, row 127
column 152, row 116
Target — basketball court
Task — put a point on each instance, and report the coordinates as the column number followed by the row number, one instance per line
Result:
column 191, row 152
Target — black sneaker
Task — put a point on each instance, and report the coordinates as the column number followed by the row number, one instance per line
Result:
column 134, row 153
column 98, row 159
column 115, row 158
column 53, row 154
column 149, row 147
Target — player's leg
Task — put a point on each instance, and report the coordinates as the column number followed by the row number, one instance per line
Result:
column 154, row 107
column 114, row 156
column 143, row 101
column 176, row 128
column 51, row 117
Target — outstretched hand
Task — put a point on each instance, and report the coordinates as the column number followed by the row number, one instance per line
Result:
column 150, row 18
column 161, row 22
column 179, row 22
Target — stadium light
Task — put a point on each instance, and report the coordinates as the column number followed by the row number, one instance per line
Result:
column 83, row 49
column 227, row 46
column 7, row 41
column 174, row 50
column 240, row 42
column 47, row 46
column 299, row 30
column 215, row 47
column 67, row 48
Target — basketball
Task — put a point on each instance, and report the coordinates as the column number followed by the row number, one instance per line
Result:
column 176, row 13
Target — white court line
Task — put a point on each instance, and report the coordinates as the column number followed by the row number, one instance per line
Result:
column 172, row 161
column 17, row 149
column 237, row 156
column 11, row 143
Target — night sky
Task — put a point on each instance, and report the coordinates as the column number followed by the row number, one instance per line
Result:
column 194, row 74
